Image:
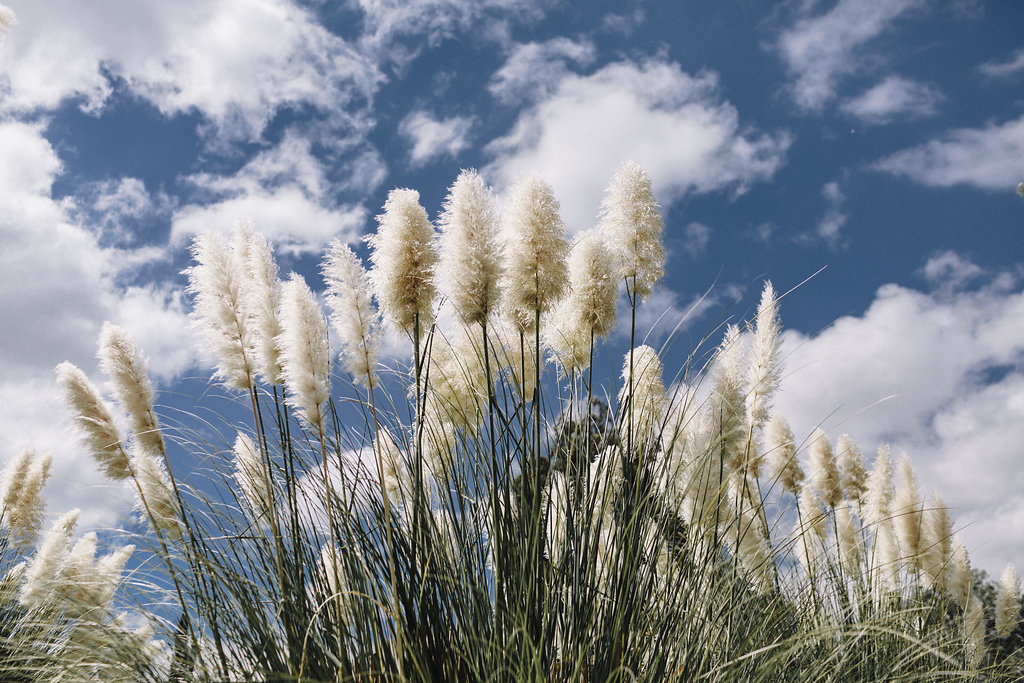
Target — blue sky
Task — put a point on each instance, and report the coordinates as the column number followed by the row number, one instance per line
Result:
column 880, row 139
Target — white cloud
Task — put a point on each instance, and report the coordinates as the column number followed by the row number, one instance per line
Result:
column 950, row 361
column 237, row 62
column 892, row 98
column 950, row 271
column 533, row 71
column 283, row 189
column 696, row 237
column 438, row 20
column 988, row 158
column 1011, row 67
column 834, row 219
column 57, row 286
column 432, row 137
column 671, row 123
column 820, row 50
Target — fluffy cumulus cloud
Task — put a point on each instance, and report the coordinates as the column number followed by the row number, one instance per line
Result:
column 236, row 62
column 820, row 50
column 431, row 137
column 892, row 98
column 671, row 123
column 937, row 373
column 57, row 284
column 283, row 190
column 987, row 158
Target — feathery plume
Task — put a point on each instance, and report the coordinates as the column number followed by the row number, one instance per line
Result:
column 404, row 257
column 593, row 287
column 7, row 17
column 43, row 571
column 936, row 542
column 853, row 475
column 263, row 303
column 907, row 511
column 305, row 353
column 885, row 560
column 589, row 309
column 516, row 355
column 642, row 370
column 94, row 420
column 251, row 476
column 960, row 579
column 728, row 405
column 783, row 465
column 219, row 282
column 810, row 530
column 397, row 481
column 878, row 494
column 974, row 630
column 848, row 540
column 747, row 539
column 124, row 363
column 536, row 250
column 632, row 225
column 158, row 503
column 822, row 471
column 1007, row 602
column 22, row 498
column 469, row 268
column 333, row 571
column 352, row 313
column 765, row 370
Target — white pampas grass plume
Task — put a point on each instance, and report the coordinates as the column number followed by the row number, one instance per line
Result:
column 397, row 481
column 907, row 511
column 765, row 370
column 22, row 497
column 124, row 363
column 332, row 568
column 728, row 405
column 589, row 309
column 823, row 474
column 251, row 476
column 352, row 312
column 642, row 374
column 878, row 494
column 974, row 630
column 848, row 539
column 7, row 17
column 458, row 379
column 43, row 571
column 593, row 287
column 936, row 542
column 632, row 225
column 218, row 283
column 157, row 502
column 305, row 352
column 404, row 256
column 853, row 475
column 1007, row 602
column 94, row 420
column 536, row 249
column 469, row 269
column 783, row 465
column 747, row 540
column 885, row 558
column 263, row 304
column 960, row 579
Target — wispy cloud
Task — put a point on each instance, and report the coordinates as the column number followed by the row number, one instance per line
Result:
column 892, row 98
column 283, row 189
column 820, row 50
column 830, row 227
column 533, row 71
column 1010, row 67
column 987, row 158
column 433, row 137
column 671, row 123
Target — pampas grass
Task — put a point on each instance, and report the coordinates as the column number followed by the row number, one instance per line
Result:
column 464, row 515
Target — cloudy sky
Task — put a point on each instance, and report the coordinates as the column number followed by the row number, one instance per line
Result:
column 880, row 139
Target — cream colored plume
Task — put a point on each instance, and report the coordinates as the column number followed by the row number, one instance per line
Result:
column 126, row 366
column 263, row 302
column 305, row 353
column 783, row 465
column 21, row 497
column 765, row 369
column 1008, row 602
column 632, row 225
column 92, row 416
column 352, row 314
